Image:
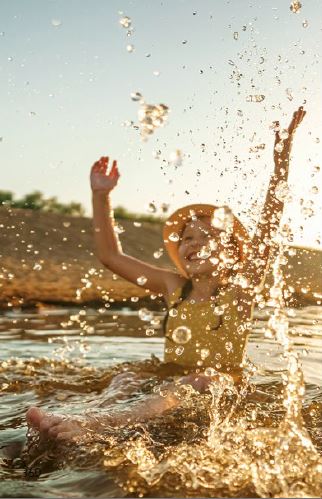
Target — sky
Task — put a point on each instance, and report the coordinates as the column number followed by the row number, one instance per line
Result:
column 66, row 84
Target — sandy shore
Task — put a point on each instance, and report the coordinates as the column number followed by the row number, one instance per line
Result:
column 46, row 258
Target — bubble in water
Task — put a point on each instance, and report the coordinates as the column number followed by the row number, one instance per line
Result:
column 125, row 22
column 37, row 266
column 222, row 219
column 149, row 331
column 145, row 314
column 130, row 48
column 157, row 254
column 173, row 312
column 136, row 96
column 141, row 280
column 315, row 189
column 176, row 157
column 295, row 6
column 255, row 98
column 56, row 23
column 204, row 353
column 210, row 371
column 179, row 350
column 282, row 191
column 181, row 335
column 305, row 23
column 174, row 237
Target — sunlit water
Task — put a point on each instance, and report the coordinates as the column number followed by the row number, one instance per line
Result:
column 230, row 443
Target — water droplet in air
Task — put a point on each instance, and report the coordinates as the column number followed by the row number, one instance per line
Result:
column 145, row 314
column 282, row 191
column 174, row 237
column 316, row 168
column 56, row 23
column 236, row 35
column 156, row 154
column 295, row 6
column 289, row 94
column 181, row 335
column 141, row 280
column 176, row 157
column 156, row 73
column 305, row 23
column 204, row 353
column 157, row 254
column 151, row 117
column 130, row 48
column 136, row 96
column 279, row 147
column 10, row 59
column 222, row 219
column 255, row 98
column 284, row 134
column 125, row 22
column 204, row 253
column 229, row 346
column 219, row 310
column 184, row 42
column 315, row 189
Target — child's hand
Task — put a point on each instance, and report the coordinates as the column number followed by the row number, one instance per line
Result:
column 283, row 144
column 100, row 181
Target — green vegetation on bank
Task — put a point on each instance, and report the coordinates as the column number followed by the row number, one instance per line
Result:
column 36, row 201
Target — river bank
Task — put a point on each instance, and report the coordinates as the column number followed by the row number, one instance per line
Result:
column 50, row 258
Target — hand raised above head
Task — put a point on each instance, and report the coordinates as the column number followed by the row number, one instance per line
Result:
column 101, row 181
column 297, row 118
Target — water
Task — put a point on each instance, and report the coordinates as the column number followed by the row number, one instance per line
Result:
column 232, row 443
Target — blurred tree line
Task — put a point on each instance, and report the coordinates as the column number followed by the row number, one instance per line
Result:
column 36, row 201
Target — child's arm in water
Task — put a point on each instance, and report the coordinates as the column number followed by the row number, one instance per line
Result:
column 274, row 204
column 108, row 246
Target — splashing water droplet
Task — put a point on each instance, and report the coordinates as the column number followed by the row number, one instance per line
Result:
column 305, row 23
column 236, row 34
column 295, row 6
column 151, row 117
column 315, row 189
column 255, row 98
column 282, row 191
column 130, row 48
column 181, row 335
column 279, row 147
column 145, row 314
column 157, row 254
column 141, row 280
column 174, row 237
column 289, row 94
column 125, row 22
column 151, row 208
column 223, row 219
column 56, row 23
column 204, row 353
column 136, row 96
column 175, row 158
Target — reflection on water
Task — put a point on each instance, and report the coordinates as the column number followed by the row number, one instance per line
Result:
column 231, row 443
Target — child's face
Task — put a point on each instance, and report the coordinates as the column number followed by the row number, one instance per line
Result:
column 205, row 249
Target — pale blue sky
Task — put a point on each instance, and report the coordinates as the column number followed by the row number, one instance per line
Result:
column 66, row 92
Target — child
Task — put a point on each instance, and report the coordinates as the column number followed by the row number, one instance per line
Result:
column 209, row 299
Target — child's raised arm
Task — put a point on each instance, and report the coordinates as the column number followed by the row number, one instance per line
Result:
column 274, row 204
column 108, row 246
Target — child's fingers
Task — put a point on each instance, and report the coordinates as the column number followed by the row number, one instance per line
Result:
column 114, row 173
column 103, row 164
column 95, row 167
